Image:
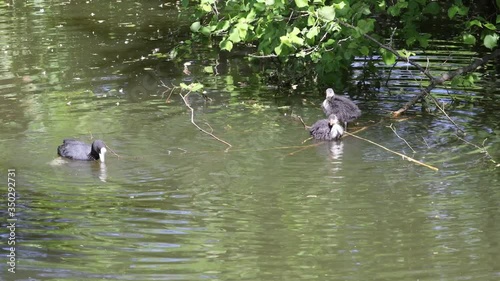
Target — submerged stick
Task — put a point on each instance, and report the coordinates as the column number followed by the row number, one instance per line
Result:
column 397, row 153
column 446, row 114
column 112, row 151
column 184, row 98
column 481, row 149
column 447, row 76
column 397, row 135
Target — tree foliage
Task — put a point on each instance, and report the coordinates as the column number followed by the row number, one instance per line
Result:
column 322, row 37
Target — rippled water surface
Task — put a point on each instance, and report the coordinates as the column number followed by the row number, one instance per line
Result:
column 172, row 203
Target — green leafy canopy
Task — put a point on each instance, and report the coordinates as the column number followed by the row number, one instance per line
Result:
column 313, row 31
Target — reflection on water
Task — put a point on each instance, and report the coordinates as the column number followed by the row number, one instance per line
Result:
column 336, row 149
column 77, row 169
column 173, row 205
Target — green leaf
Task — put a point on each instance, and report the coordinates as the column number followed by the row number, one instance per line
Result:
column 300, row 54
column 474, row 22
column 193, row 87
column 329, row 42
column 208, row 69
column 242, row 28
column 456, row 81
column 490, row 41
column 223, row 26
column 411, row 40
column 206, row 7
column 259, row 7
column 315, row 56
column 234, row 35
column 498, row 16
column 195, row 26
column 388, row 57
column 469, row 39
column 251, row 15
column 285, row 40
column 423, row 39
column 278, row 49
column 196, row 87
column 301, row 3
column 405, row 53
column 364, row 51
column 205, row 31
column 327, row 13
column 311, row 20
column 365, row 26
column 173, row 53
column 490, row 26
column 226, row 45
column 312, row 32
column 296, row 40
column 452, row 11
column 396, row 9
column 432, row 8
column 292, row 38
column 353, row 45
column 339, row 6
column 463, row 10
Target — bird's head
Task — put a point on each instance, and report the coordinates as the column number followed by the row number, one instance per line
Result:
column 332, row 120
column 330, row 93
column 99, row 147
column 336, row 130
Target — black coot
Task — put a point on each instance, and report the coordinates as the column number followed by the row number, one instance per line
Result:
column 345, row 110
column 327, row 129
column 78, row 150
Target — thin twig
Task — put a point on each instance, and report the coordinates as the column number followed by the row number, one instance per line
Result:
column 397, row 153
column 446, row 114
column 304, row 147
column 425, row 142
column 112, row 151
column 481, row 149
column 263, row 56
column 446, row 77
column 389, row 74
column 168, row 98
column 208, row 125
column 308, row 139
column 394, row 131
column 434, row 81
column 303, row 123
column 184, row 98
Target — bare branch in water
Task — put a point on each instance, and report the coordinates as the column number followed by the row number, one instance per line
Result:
column 392, row 151
column 303, row 123
column 394, row 130
column 112, row 151
column 481, row 149
column 446, row 77
column 184, row 98
column 446, row 114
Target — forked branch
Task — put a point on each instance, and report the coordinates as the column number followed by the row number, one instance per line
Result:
column 184, row 98
column 446, row 77
column 435, row 81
